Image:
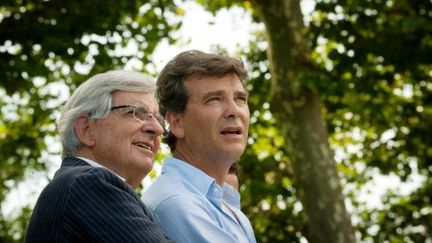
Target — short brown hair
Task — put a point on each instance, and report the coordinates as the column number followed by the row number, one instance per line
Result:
column 171, row 91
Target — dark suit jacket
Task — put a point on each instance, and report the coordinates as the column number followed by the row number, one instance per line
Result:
column 90, row 204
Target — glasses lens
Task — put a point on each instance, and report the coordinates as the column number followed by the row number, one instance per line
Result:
column 143, row 115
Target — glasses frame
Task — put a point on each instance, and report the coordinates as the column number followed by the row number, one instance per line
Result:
column 148, row 116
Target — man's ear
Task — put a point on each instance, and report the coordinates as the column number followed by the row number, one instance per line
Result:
column 175, row 123
column 83, row 130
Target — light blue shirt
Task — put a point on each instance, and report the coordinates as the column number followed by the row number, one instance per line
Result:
column 191, row 207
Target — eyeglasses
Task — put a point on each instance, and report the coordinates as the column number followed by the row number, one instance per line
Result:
column 140, row 113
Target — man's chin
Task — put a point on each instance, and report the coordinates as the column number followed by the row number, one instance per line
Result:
column 235, row 152
column 145, row 165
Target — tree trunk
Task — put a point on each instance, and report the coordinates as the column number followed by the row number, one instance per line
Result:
column 297, row 112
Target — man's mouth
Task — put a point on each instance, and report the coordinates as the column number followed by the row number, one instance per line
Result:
column 143, row 145
column 231, row 130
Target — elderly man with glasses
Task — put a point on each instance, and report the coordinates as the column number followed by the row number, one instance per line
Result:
column 110, row 132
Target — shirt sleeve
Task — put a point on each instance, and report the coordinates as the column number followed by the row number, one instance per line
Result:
column 103, row 208
column 187, row 219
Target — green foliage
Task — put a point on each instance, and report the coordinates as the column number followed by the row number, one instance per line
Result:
column 47, row 48
column 404, row 219
column 377, row 58
column 11, row 230
column 372, row 71
column 214, row 6
column 373, row 74
column 268, row 195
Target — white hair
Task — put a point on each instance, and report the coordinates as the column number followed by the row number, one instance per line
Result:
column 93, row 98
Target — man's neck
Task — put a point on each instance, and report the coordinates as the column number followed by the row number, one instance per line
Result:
column 213, row 168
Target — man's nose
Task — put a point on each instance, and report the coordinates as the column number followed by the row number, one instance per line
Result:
column 154, row 127
column 232, row 109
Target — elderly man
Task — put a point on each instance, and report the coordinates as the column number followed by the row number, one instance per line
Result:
column 110, row 130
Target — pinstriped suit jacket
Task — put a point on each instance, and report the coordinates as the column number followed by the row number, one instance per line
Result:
column 89, row 204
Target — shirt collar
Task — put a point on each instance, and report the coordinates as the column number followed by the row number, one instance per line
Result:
column 206, row 184
column 198, row 178
column 231, row 195
column 96, row 164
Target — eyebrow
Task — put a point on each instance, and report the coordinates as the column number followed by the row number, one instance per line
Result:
column 242, row 93
column 129, row 105
column 213, row 94
column 221, row 92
